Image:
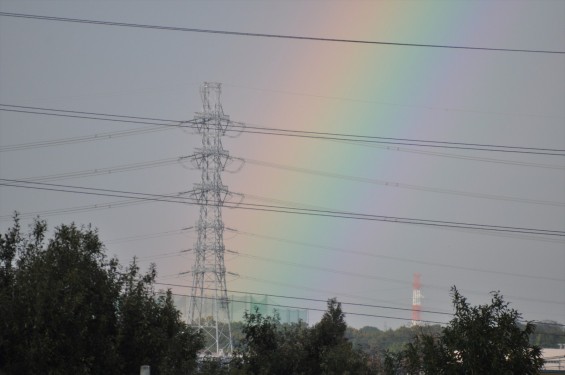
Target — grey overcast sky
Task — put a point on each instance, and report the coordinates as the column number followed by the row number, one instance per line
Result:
column 422, row 93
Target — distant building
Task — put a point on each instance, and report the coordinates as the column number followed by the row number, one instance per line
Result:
column 554, row 360
column 266, row 306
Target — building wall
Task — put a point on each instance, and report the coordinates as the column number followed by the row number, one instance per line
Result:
column 554, row 359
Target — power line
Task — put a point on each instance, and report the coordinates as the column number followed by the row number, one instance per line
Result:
column 310, row 172
column 399, row 185
column 312, row 299
column 282, row 209
column 99, row 206
column 366, row 101
column 104, row 171
column 92, row 113
column 126, row 119
column 460, row 157
column 278, row 239
column 183, row 230
column 342, row 303
column 133, row 201
column 163, row 255
column 315, row 309
column 84, row 208
column 304, row 287
column 264, row 35
column 361, row 139
column 373, row 277
column 327, row 248
column 110, row 135
column 147, row 236
column 87, row 138
column 396, row 141
column 400, row 259
column 326, row 270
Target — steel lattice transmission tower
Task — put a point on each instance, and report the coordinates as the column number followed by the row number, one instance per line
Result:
column 208, row 307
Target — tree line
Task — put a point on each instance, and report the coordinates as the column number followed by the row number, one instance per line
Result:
column 67, row 308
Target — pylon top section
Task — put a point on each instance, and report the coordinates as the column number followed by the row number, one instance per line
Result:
column 212, row 118
column 211, row 93
column 416, row 284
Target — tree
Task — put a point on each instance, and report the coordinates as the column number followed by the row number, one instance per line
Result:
column 150, row 330
column 375, row 342
column 61, row 316
column 484, row 339
column 329, row 350
column 271, row 348
column 68, row 309
column 8, row 250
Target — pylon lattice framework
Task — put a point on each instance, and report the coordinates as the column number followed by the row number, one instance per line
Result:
column 209, row 306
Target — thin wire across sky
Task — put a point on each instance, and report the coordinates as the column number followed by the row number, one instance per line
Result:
column 272, row 36
column 244, row 128
column 281, row 209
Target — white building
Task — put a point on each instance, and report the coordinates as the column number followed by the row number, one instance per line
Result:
column 554, row 359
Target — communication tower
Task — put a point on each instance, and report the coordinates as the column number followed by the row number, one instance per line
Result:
column 416, row 300
column 209, row 308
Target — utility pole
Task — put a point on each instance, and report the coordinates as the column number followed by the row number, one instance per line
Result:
column 209, row 307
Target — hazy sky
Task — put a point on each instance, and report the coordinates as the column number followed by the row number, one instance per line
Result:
column 450, row 95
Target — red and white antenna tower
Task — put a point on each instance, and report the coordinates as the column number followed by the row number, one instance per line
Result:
column 416, row 300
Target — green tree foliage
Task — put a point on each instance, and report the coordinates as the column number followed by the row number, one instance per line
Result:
column 374, row 342
column 62, row 296
column 150, row 329
column 484, row 339
column 329, row 351
column 271, row 348
column 8, row 249
column 68, row 309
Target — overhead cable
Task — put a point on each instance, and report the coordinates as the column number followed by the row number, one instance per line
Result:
column 281, row 209
column 310, row 172
column 265, row 35
column 388, row 257
column 388, row 103
column 374, row 277
column 398, row 184
column 311, row 299
column 361, row 139
column 343, row 303
column 316, row 309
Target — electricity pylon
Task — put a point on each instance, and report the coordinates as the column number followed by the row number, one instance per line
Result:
column 209, row 306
